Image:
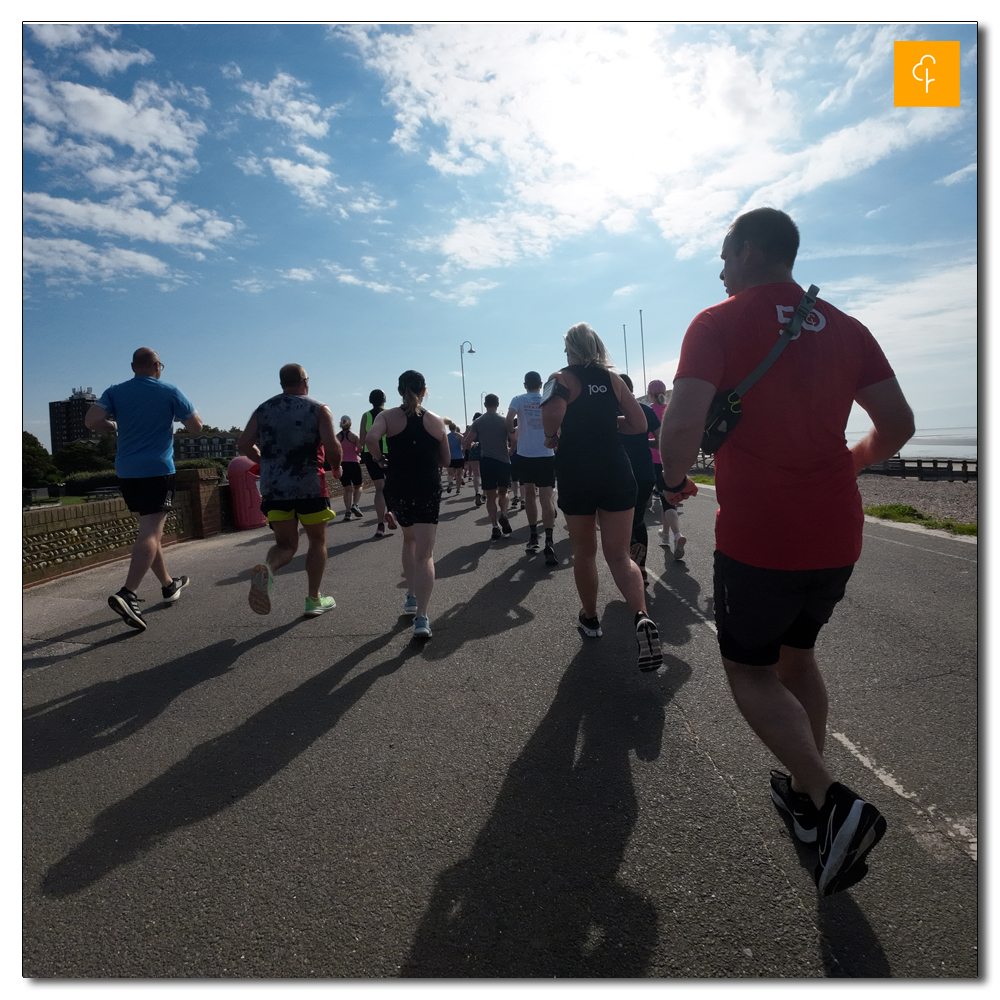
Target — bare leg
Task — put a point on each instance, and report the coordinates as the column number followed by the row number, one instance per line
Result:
column 616, row 539
column 286, row 543
column 379, row 501
column 531, row 503
column 781, row 721
column 582, row 530
column 548, row 506
column 491, row 505
column 147, row 551
column 315, row 556
column 799, row 672
column 670, row 522
column 418, row 562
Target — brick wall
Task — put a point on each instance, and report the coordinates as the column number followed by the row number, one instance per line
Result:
column 57, row 541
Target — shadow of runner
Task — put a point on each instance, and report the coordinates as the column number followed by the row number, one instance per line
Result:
column 538, row 896
column 221, row 771
column 81, row 722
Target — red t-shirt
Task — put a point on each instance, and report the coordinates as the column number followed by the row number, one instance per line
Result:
column 785, row 481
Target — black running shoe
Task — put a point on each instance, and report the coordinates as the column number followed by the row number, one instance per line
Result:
column 797, row 805
column 497, row 534
column 648, row 639
column 504, row 525
column 173, row 592
column 590, row 626
column 479, row 499
column 849, row 828
column 551, row 559
column 126, row 604
column 533, row 543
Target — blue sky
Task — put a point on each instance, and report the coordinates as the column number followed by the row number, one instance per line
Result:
column 364, row 199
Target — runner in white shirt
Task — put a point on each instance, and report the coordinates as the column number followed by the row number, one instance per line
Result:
column 536, row 464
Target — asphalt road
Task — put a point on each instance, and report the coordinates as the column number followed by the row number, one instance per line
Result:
column 226, row 795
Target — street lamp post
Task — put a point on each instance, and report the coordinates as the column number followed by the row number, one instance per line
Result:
column 461, row 360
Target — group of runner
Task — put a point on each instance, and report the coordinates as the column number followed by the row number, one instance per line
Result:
column 788, row 528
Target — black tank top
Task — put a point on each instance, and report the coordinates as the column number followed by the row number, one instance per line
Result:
column 414, row 463
column 589, row 433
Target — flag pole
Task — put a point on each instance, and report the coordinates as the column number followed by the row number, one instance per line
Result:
column 642, row 340
column 626, row 348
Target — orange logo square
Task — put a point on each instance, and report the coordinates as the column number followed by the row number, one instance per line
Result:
column 926, row 74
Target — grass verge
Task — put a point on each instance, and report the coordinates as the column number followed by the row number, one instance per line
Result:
column 910, row 515
column 704, row 480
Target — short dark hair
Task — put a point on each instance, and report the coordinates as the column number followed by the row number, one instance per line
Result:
column 770, row 230
column 376, row 397
column 532, row 378
column 291, row 376
column 624, row 377
column 492, row 399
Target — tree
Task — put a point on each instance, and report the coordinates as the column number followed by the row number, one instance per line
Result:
column 36, row 462
column 79, row 457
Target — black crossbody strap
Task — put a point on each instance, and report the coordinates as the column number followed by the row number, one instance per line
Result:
column 791, row 329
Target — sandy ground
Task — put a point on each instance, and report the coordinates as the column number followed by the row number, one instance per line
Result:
column 943, row 499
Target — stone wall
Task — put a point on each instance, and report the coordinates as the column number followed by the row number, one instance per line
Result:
column 57, row 541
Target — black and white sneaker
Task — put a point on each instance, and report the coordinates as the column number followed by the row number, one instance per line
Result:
column 126, row 604
column 648, row 639
column 797, row 805
column 551, row 559
column 504, row 525
column 497, row 533
column 590, row 626
column 533, row 543
column 173, row 592
column 848, row 828
column 356, row 510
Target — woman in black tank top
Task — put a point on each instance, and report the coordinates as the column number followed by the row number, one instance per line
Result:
column 581, row 407
column 418, row 442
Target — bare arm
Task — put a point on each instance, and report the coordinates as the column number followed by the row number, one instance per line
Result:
column 470, row 436
column 893, row 423
column 193, row 424
column 247, row 444
column 681, row 431
column 97, row 419
column 331, row 446
column 635, row 419
column 509, row 420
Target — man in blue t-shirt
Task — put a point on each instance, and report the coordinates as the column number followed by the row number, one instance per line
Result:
column 142, row 413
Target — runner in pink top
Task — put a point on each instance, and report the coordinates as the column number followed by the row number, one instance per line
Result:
column 351, row 465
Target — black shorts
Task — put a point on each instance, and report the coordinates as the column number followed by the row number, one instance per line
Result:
column 494, row 474
column 148, row 495
column 539, row 471
column 757, row 611
column 457, row 463
column 585, row 491
column 375, row 471
column 351, row 474
column 411, row 510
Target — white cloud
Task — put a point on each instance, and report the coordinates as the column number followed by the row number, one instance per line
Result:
column 466, row 294
column 250, row 165
column 875, row 211
column 313, row 155
column 586, row 125
column 625, row 290
column 81, row 261
column 368, row 201
column 253, row 286
column 298, row 274
column 108, row 61
column 279, row 102
column 307, row 182
column 58, row 36
column 960, row 175
column 180, row 224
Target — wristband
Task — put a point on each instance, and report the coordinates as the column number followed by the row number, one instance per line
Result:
column 675, row 489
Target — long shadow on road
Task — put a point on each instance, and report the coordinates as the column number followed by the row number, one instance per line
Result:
column 93, row 718
column 539, row 896
column 222, row 770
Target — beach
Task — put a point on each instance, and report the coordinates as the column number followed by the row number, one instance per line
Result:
column 942, row 499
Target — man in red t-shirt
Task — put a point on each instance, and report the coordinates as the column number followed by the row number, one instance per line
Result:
column 788, row 529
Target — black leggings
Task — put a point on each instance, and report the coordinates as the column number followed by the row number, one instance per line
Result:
column 639, row 533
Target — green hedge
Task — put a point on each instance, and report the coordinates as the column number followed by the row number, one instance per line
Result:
column 80, row 483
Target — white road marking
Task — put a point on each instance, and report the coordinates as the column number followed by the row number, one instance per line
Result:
column 963, row 837
column 937, row 552
column 683, row 600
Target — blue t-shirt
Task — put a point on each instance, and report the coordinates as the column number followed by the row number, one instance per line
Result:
column 455, row 445
column 145, row 409
column 637, row 448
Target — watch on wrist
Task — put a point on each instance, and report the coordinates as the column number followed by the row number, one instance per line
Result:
column 676, row 489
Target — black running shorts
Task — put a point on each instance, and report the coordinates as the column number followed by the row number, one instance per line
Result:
column 539, row 471
column 411, row 510
column 351, row 474
column 457, row 463
column 149, row 495
column 757, row 611
column 375, row 471
column 494, row 474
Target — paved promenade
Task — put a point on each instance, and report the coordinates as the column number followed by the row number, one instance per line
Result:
column 226, row 795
